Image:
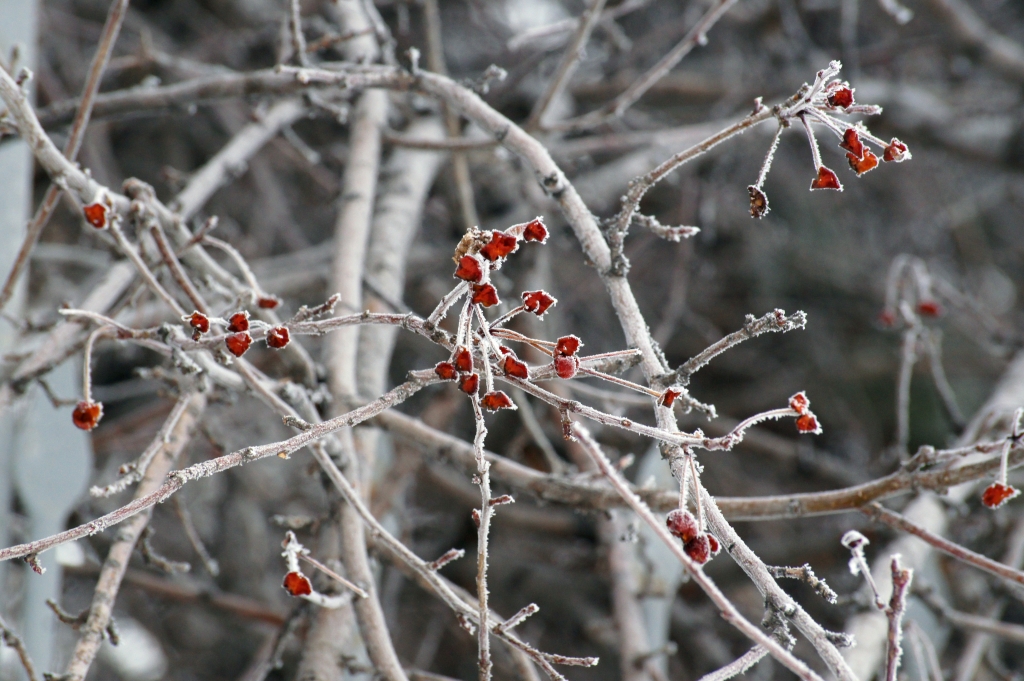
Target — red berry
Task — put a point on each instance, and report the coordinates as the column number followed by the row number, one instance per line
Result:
column 668, row 397
column 445, row 371
column 469, row 269
column 799, row 402
column 826, row 179
column 495, row 400
column 715, row 546
column 841, row 97
column 895, row 151
column 568, row 345
column 485, row 294
column 851, row 142
column 268, row 302
column 808, row 423
column 513, row 367
column 297, row 584
column 96, row 215
column 87, row 414
column 469, row 383
column 278, row 337
column 505, row 350
column 239, row 322
column 929, row 308
column 996, row 494
column 887, row 318
column 463, row 359
column 535, row 231
column 238, row 343
column 538, row 302
column 566, row 366
column 861, row 166
column 758, row 202
column 698, row 549
column 501, row 245
column 199, row 322
column 682, row 524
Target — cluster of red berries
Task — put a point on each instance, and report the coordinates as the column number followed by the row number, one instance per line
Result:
column 806, row 421
column 475, row 267
column 566, row 362
column 699, row 546
column 460, row 368
column 238, row 339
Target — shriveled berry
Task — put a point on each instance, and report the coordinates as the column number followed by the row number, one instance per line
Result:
column 929, row 308
column 469, row 269
column 500, row 245
column 278, row 337
column 505, row 350
column 862, row 165
column 841, row 97
column 566, row 366
column 568, row 345
column 826, row 179
column 87, row 414
column 96, row 215
column 758, row 202
column 997, row 494
column 513, row 367
column 535, row 231
column 808, row 423
column 851, row 142
column 799, row 402
column 297, row 584
column 238, row 343
column 199, row 322
column 698, row 549
column 445, row 371
column 463, row 359
column 668, row 397
column 239, row 322
column 495, row 400
column 268, row 302
column 895, row 152
column 485, row 294
column 682, row 524
column 538, row 302
column 469, row 383
column 715, row 546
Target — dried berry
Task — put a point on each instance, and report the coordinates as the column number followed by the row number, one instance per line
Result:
column 808, row 423
column 278, row 337
column 996, row 494
column 799, row 402
column 445, row 371
column 841, row 97
column 469, row 383
column 513, row 367
column 538, row 302
column 485, row 294
column 200, row 324
column 715, row 546
column 463, row 359
column 238, row 343
column 826, row 179
column 87, row 414
column 887, row 318
column 501, row 245
column 297, row 584
column 505, row 350
column 851, row 142
column 268, row 302
column 929, row 308
column 469, row 269
column 566, row 366
column 96, row 215
column 895, row 152
column 668, row 397
column 863, row 165
column 535, row 231
column 568, row 345
column 239, row 322
column 682, row 524
column 698, row 549
column 495, row 400
column 758, row 202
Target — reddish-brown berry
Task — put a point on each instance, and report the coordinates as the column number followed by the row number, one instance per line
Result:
column 799, row 402
column 851, row 142
column 501, row 245
column 538, row 302
column 199, row 322
column 841, row 97
column 808, row 423
column 758, row 202
column 485, row 294
column 862, row 165
column 682, row 524
column 929, row 308
column 278, row 337
column 513, row 367
column 297, row 584
column 715, row 546
column 698, row 549
column 996, row 494
column 668, row 397
column 87, row 414
column 268, row 302
column 535, row 231
column 568, row 345
column 463, row 359
column 826, row 179
column 239, row 322
column 469, row 269
column 895, row 152
column 495, row 400
column 566, row 366
column 96, row 215
column 238, row 343
column 446, row 371
column 469, row 383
